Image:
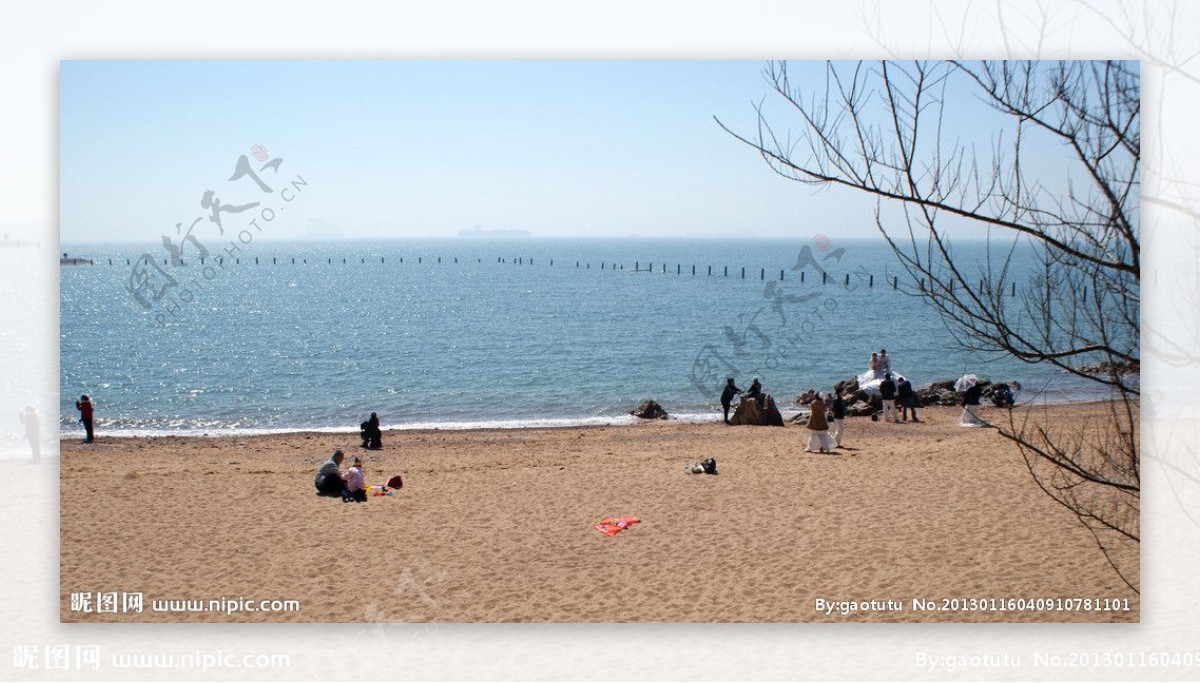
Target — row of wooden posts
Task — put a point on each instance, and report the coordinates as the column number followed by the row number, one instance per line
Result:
column 604, row 265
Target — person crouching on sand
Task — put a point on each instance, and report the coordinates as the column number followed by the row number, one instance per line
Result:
column 819, row 439
column 329, row 476
column 356, row 485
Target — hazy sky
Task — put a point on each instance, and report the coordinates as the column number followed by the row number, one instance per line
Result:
column 427, row 148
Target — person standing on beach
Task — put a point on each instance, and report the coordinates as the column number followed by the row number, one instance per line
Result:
column 329, row 476
column 887, row 391
column 818, row 427
column 908, row 399
column 837, row 408
column 84, row 406
column 727, row 396
column 970, row 414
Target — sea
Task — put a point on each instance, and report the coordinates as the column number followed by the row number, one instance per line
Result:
column 515, row 332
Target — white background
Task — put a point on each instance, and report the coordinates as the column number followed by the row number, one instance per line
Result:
column 35, row 36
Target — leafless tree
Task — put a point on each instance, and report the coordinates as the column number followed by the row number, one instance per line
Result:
column 1059, row 175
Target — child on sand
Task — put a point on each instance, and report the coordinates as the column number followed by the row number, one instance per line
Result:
column 356, row 486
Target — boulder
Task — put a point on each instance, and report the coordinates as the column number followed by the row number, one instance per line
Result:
column 864, row 408
column 649, row 410
column 748, row 413
column 806, row 398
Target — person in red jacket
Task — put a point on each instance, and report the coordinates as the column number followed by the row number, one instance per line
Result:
column 84, row 406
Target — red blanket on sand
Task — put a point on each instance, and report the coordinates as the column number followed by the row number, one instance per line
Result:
column 614, row 525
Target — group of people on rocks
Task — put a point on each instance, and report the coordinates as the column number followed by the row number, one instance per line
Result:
column 755, row 392
column 827, row 415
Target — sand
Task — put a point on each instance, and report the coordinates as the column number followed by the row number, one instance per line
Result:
column 496, row 526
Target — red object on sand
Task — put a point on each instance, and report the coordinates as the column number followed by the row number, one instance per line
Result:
column 614, row 525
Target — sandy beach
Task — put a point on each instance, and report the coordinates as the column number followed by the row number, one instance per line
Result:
column 496, row 526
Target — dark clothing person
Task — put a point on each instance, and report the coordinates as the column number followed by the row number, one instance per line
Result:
column 908, row 399
column 887, row 389
column 755, row 392
column 838, row 408
column 727, row 397
column 372, row 436
column 84, row 406
column 971, row 395
column 329, row 479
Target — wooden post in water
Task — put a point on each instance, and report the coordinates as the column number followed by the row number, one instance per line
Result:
column 726, row 271
column 710, row 271
column 762, row 274
column 847, row 279
column 677, row 268
column 693, row 269
column 802, row 277
column 895, row 282
column 1014, row 289
column 871, row 281
column 781, row 275
column 743, row 272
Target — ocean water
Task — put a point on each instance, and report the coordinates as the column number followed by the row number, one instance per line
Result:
column 501, row 332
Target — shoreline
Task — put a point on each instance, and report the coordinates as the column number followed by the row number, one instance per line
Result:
column 625, row 420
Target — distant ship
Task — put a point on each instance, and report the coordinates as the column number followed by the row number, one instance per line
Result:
column 478, row 232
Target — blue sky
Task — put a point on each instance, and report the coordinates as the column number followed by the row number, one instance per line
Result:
column 427, row 148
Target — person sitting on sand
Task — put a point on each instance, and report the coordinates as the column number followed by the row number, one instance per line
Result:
column 727, row 396
column 818, row 425
column 356, row 485
column 372, row 436
column 329, row 477
column 837, row 409
column 755, row 392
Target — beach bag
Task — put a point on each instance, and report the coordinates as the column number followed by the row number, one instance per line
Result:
column 709, row 466
column 395, row 482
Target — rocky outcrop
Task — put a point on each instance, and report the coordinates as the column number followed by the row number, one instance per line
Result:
column 1113, row 369
column 937, row 394
column 748, row 412
column 861, row 403
column 649, row 410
